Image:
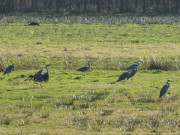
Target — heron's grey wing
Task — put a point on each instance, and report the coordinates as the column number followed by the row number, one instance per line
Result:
column 44, row 77
column 132, row 67
column 123, row 76
column 83, row 69
column 163, row 90
column 38, row 74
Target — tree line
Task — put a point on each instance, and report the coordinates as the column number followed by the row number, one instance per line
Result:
column 92, row 6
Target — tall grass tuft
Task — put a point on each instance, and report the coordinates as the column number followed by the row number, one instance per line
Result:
column 150, row 63
column 44, row 115
column 162, row 63
column 73, row 63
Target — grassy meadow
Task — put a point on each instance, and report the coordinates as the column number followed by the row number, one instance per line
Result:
column 94, row 103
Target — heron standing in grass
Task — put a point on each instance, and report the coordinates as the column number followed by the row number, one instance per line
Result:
column 164, row 89
column 124, row 76
column 84, row 69
column 132, row 67
column 38, row 77
column 133, row 72
column 9, row 69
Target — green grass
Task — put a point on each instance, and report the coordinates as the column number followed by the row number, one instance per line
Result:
column 71, row 102
column 91, row 103
column 112, row 46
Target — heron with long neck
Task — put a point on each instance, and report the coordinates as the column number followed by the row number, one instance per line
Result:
column 45, row 77
column 38, row 77
column 164, row 89
column 84, row 69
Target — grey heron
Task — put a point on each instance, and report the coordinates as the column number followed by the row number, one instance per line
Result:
column 164, row 89
column 84, row 69
column 38, row 77
column 9, row 69
column 124, row 76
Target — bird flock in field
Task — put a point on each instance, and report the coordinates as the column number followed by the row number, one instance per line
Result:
column 132, row 70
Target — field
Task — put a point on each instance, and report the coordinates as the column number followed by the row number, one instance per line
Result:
column 94, row 103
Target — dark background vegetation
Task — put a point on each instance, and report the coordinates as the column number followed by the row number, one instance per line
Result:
column 92, row 6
